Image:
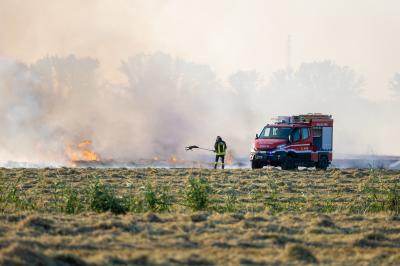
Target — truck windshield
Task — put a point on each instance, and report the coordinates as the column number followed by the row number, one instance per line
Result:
column 275, row 133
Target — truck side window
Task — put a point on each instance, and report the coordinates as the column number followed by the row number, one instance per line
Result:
column 304, row 133
column 296, row 135
column 317, row 132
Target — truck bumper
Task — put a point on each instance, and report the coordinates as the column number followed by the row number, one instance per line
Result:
column 267, row 157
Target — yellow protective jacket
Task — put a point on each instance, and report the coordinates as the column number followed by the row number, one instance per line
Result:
column 220, row 147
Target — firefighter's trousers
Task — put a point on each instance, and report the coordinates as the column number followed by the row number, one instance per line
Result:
column 222, row 160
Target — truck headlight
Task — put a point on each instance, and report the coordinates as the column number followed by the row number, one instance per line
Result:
column 253, row 148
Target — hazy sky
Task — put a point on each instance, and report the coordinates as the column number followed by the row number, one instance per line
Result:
column 226, row 34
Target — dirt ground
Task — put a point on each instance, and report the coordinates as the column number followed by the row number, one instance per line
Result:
column 337, row 217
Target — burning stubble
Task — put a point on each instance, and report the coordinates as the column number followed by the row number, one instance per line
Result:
column 81, row 152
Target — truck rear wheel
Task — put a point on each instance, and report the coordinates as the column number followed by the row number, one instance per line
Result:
column 323, row 163
column 256, row 164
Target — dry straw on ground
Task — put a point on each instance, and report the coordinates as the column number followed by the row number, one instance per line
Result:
column 263, row 217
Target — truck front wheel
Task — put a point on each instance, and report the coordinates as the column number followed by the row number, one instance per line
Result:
column 256, row 164
column 323, row 163
column 288, row 163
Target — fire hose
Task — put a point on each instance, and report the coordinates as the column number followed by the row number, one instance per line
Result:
column 190, row 148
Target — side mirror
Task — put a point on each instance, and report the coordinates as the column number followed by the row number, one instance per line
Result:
column 257, row 136
column 290, row 138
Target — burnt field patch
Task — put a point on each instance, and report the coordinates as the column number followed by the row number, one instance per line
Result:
column 198, row 217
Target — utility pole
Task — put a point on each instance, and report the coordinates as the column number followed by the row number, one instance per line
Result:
column 289, row 53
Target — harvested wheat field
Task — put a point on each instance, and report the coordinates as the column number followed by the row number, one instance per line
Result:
column 199, row 217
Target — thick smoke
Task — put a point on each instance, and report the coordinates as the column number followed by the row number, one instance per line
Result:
column 133, row 105
column 167, row 103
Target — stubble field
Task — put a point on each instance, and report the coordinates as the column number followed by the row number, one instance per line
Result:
column 150, row 216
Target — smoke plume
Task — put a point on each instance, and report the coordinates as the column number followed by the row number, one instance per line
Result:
column 165, row 104
column 74, row 72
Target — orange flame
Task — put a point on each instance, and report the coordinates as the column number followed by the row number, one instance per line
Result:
column 173, row 159
column 229, row 157
column 81, row 152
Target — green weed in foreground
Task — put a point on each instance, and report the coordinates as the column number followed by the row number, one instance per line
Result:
column 57, row 195
column 72, row 202
column 231, row 201
column 157, row 199
column 150, row 197
column 374, row 194
column 196, row 195
column 392, row 200
column 102, row 198
column 378, row 200
column 13, row 197
column 164, row 199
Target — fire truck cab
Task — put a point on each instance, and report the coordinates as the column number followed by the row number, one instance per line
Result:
column 293, row 141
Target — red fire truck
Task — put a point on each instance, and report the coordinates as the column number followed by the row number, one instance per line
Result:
column 292, row 141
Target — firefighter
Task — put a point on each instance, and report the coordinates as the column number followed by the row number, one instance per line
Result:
column 219, row 149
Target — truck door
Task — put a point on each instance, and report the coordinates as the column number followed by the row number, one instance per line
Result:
column 296, row 139
column 301, row 144
column 306, row 147
column 305, row 139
